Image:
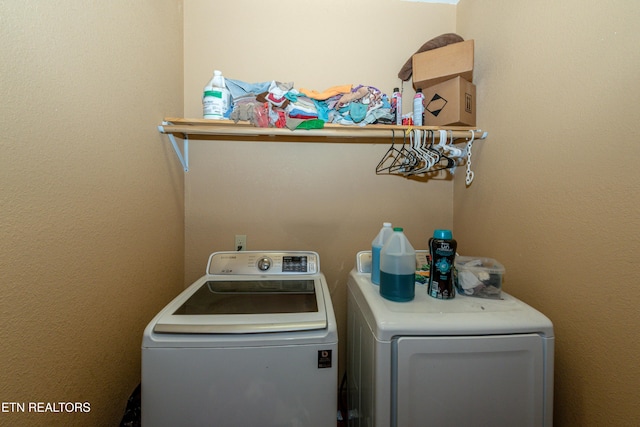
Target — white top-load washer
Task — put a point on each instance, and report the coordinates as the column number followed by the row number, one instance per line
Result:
column 463, row 362
column 251, row 343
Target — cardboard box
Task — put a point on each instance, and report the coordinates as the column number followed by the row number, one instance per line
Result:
column 450, row 103
column 444, row 63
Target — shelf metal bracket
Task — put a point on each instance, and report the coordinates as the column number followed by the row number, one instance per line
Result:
column 184, row 158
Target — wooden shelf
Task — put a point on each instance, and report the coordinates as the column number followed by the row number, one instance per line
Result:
column 223, row 128
column 228, row 130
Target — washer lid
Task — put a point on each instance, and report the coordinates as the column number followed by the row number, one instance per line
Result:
column 246, row 304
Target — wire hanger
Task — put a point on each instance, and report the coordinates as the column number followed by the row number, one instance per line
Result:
column 390, row 156
column 422, row 155
column 406, row 159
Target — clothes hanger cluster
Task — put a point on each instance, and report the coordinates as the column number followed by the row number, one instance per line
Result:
column 424, row 152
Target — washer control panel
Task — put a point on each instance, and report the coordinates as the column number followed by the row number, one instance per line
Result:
column 261, row 263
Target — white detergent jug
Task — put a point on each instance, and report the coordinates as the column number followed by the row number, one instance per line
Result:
column 398, row 268
column 376, row 246
column 216, row 99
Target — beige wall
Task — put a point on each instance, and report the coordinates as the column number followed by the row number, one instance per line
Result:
column 91, row 217
column 92, row 223
column 556, row 191
column 322, row 197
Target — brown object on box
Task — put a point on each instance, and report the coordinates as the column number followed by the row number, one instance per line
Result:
column 434, row 43
column 452, row 102
column 444, row 63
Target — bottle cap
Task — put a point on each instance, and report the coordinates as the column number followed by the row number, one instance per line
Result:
column 396, row 89
column 386, row 224
column 397, row 229
column 442, row 234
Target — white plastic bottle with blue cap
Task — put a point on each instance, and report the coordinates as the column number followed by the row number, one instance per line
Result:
column 398, row 268
column 376, row 246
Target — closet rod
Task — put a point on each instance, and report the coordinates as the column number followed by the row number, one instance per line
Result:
column 372, row 131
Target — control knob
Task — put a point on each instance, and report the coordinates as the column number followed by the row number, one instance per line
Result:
column 264, row 264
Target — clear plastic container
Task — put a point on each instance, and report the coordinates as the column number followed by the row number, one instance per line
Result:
column 479, row 277
column 398, row 268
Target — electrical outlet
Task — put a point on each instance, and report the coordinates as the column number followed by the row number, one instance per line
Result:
column 241, row 242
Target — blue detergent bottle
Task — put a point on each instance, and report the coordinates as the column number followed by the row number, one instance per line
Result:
column 376, row 246
column 398, row 268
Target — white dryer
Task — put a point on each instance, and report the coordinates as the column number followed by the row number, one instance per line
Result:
column 251, row 343
column 461, row 362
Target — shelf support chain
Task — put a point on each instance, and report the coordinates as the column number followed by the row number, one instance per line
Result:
column 184, row 158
